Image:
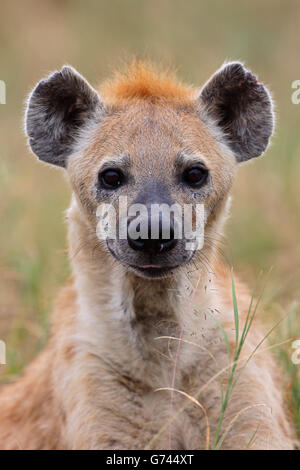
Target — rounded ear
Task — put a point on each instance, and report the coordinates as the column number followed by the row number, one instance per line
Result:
column 241, row 107
column 57, row 110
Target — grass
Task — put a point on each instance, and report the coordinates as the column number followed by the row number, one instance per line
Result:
column 292, row 397
column 284, row 357
column 233, row 375
column 239, row 342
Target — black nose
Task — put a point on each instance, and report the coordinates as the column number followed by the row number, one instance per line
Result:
column 151, row 245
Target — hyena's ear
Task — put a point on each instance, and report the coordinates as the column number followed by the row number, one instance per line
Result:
column 241, row 107
column 58, row 108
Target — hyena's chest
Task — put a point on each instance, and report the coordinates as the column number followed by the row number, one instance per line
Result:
column 171, row 415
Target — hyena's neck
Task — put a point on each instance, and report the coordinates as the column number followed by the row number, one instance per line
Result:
column 124, row 319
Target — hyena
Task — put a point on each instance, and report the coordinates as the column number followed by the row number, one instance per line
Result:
column 137, row 356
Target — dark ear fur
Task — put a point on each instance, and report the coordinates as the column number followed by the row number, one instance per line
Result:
column 57, row 109
column 241, row 107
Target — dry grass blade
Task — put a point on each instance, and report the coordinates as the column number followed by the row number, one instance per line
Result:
column 202, row 389
column 220, row 442
column 196, row 402
column 192, row 343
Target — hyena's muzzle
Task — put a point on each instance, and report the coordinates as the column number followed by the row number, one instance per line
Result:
column 155, row 242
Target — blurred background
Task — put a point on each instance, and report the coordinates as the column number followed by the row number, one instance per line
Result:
column 195, row 37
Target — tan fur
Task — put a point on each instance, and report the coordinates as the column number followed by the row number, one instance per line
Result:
column 144, row 81
column 95, row 385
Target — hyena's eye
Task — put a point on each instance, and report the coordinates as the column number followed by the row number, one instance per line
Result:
column 195, row 176
column 110, row 178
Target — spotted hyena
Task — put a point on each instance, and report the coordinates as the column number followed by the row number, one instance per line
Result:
column 140, row 315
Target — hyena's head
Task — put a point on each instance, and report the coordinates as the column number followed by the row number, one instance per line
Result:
column 149, row 139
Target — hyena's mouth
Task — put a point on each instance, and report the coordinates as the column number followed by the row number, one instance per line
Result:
column 153, row 271
column 150, row 268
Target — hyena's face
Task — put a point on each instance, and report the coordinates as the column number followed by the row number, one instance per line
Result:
column 164, row 164
column 153, row 170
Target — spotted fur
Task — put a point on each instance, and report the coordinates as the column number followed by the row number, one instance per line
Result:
column 115, row 334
